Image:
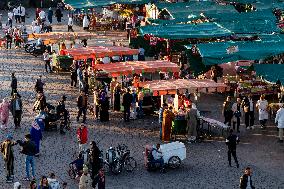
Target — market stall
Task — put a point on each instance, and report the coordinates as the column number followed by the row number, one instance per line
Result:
column 137, row 67
column 53, row 37
column 99, row 52
column 180, row 87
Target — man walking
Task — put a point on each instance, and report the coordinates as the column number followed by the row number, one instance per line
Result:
column 237, row 112
column 80, row 79
column 127, row 99
column 279, row 120
column 227, row 111
column 13, row 84
column 22, row 12
column 9, row 40
column 8, row 155
column 248, row 107
column 82, row 103
column 46, row 58
column 232, row 141
column 16, row 108
column 70, row 23
column 245, row 180
column 29, row 149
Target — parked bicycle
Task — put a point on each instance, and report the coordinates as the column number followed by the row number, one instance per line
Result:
column 118, row 159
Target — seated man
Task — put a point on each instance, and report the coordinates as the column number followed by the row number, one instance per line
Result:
column 158, row 156
column 78, row 164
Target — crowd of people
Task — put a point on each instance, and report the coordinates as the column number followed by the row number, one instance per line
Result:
column 106, row 97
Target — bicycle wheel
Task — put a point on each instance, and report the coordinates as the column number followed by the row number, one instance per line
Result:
column 116, row 168
column 106, row 168
column 130, row 164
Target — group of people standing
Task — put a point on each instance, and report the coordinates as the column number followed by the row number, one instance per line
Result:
column 233, row 111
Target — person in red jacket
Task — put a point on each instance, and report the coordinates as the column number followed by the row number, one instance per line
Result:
column 82, row 136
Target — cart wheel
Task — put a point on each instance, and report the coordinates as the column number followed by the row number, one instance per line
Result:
column 130, row 164
column 174, row 162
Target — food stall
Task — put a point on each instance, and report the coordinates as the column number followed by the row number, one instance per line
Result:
column 183, row 86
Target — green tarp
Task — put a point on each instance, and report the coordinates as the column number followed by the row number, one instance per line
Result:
column 173, row 21
column 79, row 4
column 256, row 22
column 218, row 53
column 186, row 31
column 186, row 10
column 251, row 26
column 253, row 15
column 270, row 72
column 195, row 7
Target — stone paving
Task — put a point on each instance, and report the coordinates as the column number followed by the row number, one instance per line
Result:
column 206, row 164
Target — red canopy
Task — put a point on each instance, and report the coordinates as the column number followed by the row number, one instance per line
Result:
column 162, row 87
column 63, row 35
column 99, row 52
column 131, row 67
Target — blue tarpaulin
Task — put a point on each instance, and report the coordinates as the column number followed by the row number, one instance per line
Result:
column 78, row 4
column 186, row 10
column 270, row 72
column 218, row 53
column 186, row 31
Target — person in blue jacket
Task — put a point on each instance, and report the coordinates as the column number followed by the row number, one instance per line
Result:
column 36, row 135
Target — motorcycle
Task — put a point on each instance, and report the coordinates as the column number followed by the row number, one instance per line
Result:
column 36, row 51
column 118, row 159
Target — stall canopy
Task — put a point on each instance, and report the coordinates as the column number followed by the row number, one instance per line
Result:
column 57, row 36
column 270, row 72
column 84, row 3
column 218, row 53
column 261, row 21
column 99, row 52
column 80, row 4
column 179, row 10
column 162, row 87
column 138, row 67
column 186, row 31
column 173, row 21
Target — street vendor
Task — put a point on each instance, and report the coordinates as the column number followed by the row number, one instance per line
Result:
column 191, row 117
column 168, row 117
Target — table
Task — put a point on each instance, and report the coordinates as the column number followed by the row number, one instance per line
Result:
column 215, row 124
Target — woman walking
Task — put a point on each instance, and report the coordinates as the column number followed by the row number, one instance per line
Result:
column 117, row 91
column 4, row 113
column 44, row 183
column 104, row 104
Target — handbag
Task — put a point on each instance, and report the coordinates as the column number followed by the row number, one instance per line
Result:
column 237, row 114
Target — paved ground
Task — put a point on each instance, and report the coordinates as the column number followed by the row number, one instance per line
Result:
column 206, row 166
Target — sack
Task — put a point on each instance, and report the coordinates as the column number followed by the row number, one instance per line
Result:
column 246, row 109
